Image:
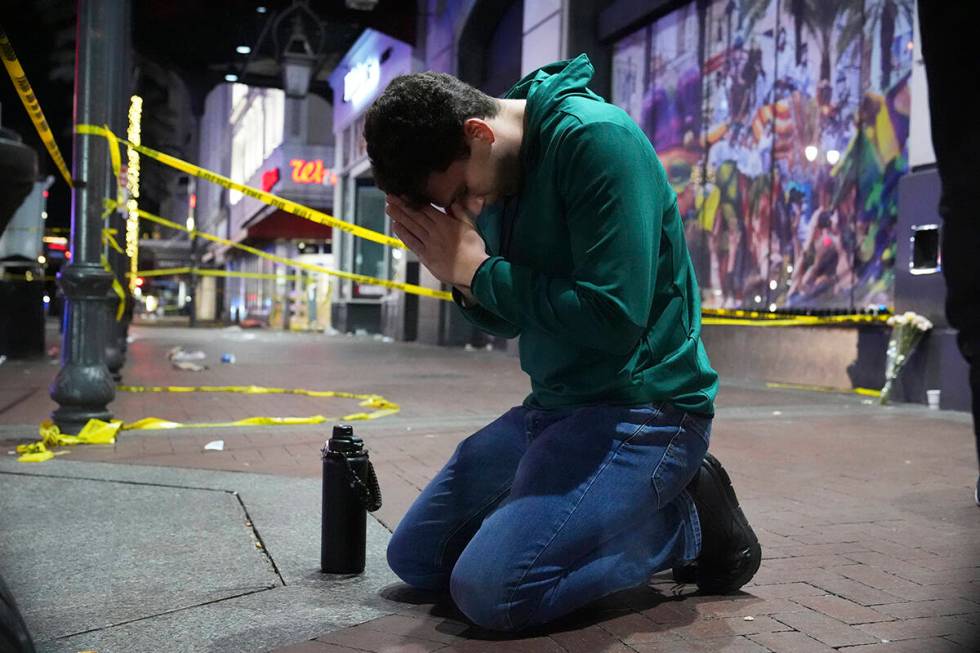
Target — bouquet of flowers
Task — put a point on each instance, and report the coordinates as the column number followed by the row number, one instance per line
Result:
column 907, row 331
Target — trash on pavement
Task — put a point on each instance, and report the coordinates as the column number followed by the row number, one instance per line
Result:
column 215, row 445
column 188, row 366
column 227, row 358
column 181, row 354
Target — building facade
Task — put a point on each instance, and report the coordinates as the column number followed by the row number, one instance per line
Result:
column 367, row 68
column 260, row 137
column 489, row 44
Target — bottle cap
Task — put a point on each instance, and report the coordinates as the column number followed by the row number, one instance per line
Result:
column 343, row 440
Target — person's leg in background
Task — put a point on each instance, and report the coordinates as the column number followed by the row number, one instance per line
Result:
column 952, row 62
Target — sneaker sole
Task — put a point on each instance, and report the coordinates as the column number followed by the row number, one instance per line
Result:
column 712, row 466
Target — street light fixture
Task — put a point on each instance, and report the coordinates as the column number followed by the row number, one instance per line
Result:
column 301, row 57
column 298, row 62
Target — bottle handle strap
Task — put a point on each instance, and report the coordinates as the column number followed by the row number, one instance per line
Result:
column 368, row 490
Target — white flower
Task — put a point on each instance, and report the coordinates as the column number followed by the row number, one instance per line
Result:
column 922, row 323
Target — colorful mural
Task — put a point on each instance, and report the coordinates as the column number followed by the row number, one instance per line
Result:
column 782, row 125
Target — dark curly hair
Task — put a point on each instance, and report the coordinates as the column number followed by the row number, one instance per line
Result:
column 416, row 128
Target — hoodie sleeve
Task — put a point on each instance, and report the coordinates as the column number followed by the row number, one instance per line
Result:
column 483, row 319
column 614, row 190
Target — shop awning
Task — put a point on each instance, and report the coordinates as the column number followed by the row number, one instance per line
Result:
column 279, row 224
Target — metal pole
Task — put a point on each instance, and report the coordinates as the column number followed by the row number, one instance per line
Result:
column 195, row 262
column 192, row 281
column 83, row 387
column 118, row 101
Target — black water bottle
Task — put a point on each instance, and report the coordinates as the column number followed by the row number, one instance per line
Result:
column 350, row 490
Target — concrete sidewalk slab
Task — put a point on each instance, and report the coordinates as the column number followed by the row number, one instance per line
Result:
column 86, row 553
column 123, row 558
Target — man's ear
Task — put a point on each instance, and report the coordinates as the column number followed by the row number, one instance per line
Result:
column 478, row 129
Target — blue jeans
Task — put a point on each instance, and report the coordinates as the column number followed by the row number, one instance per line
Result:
column 542, row 512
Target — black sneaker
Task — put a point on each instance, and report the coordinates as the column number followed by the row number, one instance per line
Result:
column 730, row 551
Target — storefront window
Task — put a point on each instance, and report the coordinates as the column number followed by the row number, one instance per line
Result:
column 370, row 258
column 257, row 132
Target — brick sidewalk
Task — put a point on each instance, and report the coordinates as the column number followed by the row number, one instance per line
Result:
column 869, row 531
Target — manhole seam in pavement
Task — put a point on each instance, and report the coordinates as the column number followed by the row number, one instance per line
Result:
column 249, row 523
column 166, row 612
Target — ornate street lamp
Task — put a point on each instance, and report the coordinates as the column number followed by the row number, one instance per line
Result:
column 297, row 61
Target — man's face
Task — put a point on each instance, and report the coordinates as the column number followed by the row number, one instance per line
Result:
column 472, row 182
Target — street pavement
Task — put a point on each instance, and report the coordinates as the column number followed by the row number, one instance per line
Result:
column 869, row 530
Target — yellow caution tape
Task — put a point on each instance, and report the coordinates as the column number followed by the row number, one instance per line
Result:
column 121, row 294
column 116, row 288
column 35, row 452
column 359, row 278
column 94, row 432
column 115, row 158
column 738, row 317
column 865, row 392
column 100, row 432
column 206, row 272
column 261, row 195
column 26, row 93
column 109, row 238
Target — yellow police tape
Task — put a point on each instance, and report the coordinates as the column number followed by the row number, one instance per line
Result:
column 26, row 93
column 738, row 317
column 261, row 195
column 359, row 278
column 205, row 272
column 101, row 432
column 864, row 392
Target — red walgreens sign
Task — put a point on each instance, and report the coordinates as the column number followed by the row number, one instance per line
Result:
column 312, row 172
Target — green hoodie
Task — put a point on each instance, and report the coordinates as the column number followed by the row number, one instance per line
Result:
column 596, row 279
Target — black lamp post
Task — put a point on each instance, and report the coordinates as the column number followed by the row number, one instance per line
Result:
column 84, row 387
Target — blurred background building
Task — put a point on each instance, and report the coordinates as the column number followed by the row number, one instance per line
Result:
column 795, row 133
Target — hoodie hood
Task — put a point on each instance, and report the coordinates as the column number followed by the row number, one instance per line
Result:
column 545, row 89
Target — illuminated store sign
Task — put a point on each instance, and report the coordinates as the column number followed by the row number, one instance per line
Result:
column 362, row 80
column 312, row 172
column 269, row 179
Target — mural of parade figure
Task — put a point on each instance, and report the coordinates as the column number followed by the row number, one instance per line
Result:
column 823, row 271
column 783, row 127
column 737, row 76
